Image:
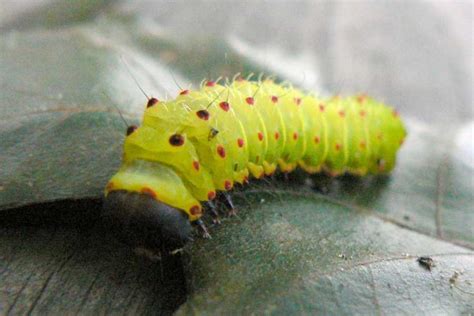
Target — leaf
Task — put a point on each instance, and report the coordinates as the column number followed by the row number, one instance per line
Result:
column 308, row 253
column 291, row 249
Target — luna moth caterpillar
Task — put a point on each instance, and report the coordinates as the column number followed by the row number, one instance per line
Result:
column 207, row 140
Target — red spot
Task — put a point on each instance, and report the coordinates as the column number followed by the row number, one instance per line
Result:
column 295, row 135
column 321, row 107
column 274, row 99
column 131, row 129
column 362, row 145
column 250, row 101
column 196, row 165
column 240, row 142
column 361, row 98
column 149, row 192
column 342, row 113
column 260, row 136
column 337, row 146
column 227, row 185
column 210, row 84
column 362, row 113
column 402, row 141
column 211, row 195
column 176, row 140
column 239, row 79
column 151, row 102
column 277, row 135
column 184, row 92
column 297, row 101
column 221, row 151
column 224, row 105
column 195, row 210
column 203, row 114
column 395, row 113
column 246, row 180
column 316, row 139
column 109, row 186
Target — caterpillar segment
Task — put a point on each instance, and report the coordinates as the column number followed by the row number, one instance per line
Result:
column 207, row 140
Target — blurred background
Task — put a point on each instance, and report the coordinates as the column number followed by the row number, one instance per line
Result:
column 415, row 55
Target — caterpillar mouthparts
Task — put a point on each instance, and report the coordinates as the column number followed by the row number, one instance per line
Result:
column 205, row 141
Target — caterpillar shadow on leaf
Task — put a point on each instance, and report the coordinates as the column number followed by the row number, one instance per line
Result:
column 200, row 145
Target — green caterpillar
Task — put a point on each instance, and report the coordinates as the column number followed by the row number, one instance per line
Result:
column 206, row 140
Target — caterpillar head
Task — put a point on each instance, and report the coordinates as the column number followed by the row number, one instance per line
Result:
column 141, row 221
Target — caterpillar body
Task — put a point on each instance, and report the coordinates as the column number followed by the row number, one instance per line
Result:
column 207, row 140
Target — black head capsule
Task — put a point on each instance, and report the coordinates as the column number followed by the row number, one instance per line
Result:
column 140, row 220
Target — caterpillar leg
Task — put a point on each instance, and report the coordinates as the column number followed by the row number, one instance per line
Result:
column 211, row 206
column 202, row 227
column 322, row 183
column 231, row 211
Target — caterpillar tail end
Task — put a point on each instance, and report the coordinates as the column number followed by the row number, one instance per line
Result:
column 141, row 221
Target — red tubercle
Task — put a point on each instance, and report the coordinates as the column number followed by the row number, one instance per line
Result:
column 240, row 142
column 321, row 107
column 221, row 151
column 109, row 186
column 260, row 136
column 148, row 191
column 195, row 210
column 342, row 113
column 337, row 146
column 361, row 98
column 211, row 195
column 210, row 84
column 297, row 101
column 131, row 129
column 317, row 140
column 395, row 113
column 203, row 114
column 184, row 92
column 274, row 99
column 362, row 145
column 151, row 102
column 362, row 113
column 250, row 100
column 196, row 165
column 295, row 135
column 246, row 180
column 228, row 185
column 277, row 135
column 224, row 105
column 176, row 140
